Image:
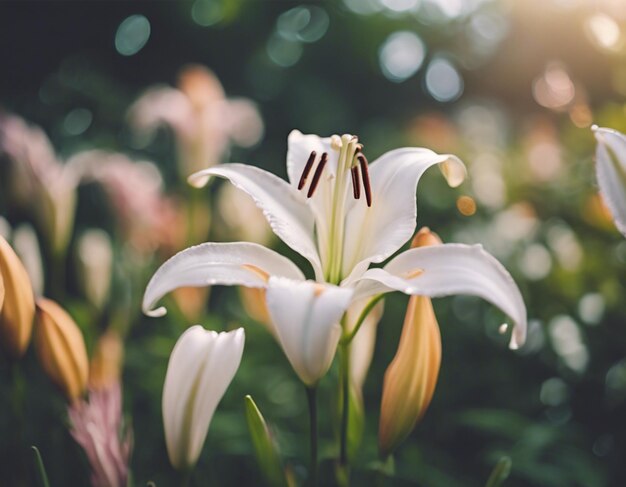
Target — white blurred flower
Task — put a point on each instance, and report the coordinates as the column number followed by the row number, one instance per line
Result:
column 611, row 172
column 240, row 217
column 362, row 349
column 38, row 180
column 203, row 120
column 95, row 261
column 26, row 245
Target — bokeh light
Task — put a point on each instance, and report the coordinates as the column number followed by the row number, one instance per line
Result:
column 443, row 81
column 554, row 88
column 466, row 205
column 401, row 55
column 283, row 52
column 132, row 34
column 206, row 12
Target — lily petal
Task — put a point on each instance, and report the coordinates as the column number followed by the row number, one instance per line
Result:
column 449, row 269
column 306, row 318
column 238, row 263
column 284, row 208
column 611, row 173
column 375, row 233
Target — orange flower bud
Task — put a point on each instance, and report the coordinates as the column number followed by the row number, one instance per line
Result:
column 18, row 309
column 425, row 238
column 1, row 292
column 192, row 301
column 61, row 349
column 411, row 377
column 253, row 301
column 106, row 364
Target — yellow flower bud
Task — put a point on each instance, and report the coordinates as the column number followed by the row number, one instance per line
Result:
column 411, row 377
column 18, row 309
column 106, row 364
column 61, row 349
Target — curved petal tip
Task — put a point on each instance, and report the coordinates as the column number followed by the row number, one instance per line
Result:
column 199, row 179
column 156, row 313
column 453, row 170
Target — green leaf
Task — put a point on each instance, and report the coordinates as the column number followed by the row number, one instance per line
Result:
column 500, row 472
column 264, row 447
column 41, row 469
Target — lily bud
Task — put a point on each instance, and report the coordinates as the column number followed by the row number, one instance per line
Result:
column 425, row 238
column 253, row 301
column 200, row 369
column 411, row 378
column 1, row 292
column 95, row 263
column 26, row 246
column 106, row 362
column 18, row 309
column 61, row 349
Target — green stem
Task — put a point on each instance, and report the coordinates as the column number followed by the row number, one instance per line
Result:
column 345, row 406
column 347, row 338
column 56, row 282
column 192, row 210
column 311, row 394
column 41, row 469
column 185, row 480
column 17, row 460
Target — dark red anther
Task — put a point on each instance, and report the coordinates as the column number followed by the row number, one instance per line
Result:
column 356, row 183
column 307, row 170
column 317, row 175
column 366, row 179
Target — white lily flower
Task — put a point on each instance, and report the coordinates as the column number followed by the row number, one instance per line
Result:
column 201, row 367
column 611, row 172
column 341, row 230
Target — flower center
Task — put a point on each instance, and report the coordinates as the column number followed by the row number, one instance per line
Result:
column 351, row 165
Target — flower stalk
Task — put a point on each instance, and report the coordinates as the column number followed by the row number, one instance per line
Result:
column 311, row 394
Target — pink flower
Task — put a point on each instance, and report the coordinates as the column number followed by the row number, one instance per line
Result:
column 96, row 425
column 38, row 180
column 203, row 120
column 148, row 218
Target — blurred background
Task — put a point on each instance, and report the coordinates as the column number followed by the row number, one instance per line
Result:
column 510, row 87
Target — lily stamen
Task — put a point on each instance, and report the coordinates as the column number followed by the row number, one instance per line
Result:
column 356, row 184
column 366, row 178
column 307, row 170
column 317, row 175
